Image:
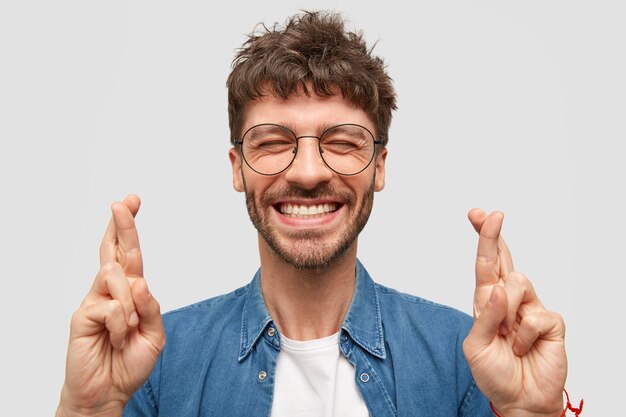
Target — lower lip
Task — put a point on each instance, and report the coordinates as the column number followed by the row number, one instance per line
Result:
column 308, row 222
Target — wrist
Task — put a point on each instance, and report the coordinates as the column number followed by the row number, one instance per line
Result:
column 64, row 410
column 525, row 413
column 71, row 406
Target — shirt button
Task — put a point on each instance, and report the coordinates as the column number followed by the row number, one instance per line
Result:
column 364, row 377
column 262, row 375
column 344, row 337
column 271, row 332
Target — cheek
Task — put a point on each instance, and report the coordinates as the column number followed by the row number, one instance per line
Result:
column 256, row 185
column 359, row 189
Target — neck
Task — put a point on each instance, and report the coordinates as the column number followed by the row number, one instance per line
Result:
column 307, row 304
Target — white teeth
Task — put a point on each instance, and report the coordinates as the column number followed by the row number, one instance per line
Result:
column 305, row 211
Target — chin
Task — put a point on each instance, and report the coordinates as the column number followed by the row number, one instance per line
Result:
column 308, row 254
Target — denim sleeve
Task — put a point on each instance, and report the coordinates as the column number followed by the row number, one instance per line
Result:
column 143, row 403
column 475, row 404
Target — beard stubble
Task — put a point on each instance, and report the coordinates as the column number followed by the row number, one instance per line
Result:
column 310, row 252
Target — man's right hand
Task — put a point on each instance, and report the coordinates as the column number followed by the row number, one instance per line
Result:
column 117, row 334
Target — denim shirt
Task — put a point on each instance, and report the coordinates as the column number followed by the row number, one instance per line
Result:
column 220, row 357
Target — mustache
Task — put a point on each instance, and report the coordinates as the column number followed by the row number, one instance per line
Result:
column 322, row 191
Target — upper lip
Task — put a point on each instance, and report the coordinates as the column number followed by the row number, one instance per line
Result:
column 315, row 202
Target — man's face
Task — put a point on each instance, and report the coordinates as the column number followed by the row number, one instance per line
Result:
column 342, row 203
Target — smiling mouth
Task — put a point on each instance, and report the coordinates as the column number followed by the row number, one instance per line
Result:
column 306, row 211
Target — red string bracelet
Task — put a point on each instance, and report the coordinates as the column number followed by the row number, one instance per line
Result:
column 568, row 406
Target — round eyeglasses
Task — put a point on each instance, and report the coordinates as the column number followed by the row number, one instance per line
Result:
column 270, row 149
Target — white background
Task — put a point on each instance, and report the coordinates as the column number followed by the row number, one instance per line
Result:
column 517, row 106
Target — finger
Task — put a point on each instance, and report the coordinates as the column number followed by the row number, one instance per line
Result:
column 92, row 318
column 111, row 283
column 108, row 246
column 506, row 260
column 128, row 250
column 477, row 217
column 487, row 263
column 522, row 299
column 151, row 323
column 486, row 326
column 544, row 324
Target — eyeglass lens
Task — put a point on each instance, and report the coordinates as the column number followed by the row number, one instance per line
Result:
column 346, row 149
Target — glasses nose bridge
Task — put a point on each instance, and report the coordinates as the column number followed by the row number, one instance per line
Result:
column 307, row 136
column 319, row 143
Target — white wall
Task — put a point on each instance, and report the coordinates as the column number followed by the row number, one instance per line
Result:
column 517, row 106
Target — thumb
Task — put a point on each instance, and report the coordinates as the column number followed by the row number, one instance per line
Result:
column 487, row 325
column 149, row 310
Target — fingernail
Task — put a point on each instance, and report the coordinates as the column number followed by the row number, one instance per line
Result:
column 133, row 319
column 121, row 346
column 492, row 297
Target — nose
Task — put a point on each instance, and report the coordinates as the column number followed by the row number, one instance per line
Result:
column 308, row 169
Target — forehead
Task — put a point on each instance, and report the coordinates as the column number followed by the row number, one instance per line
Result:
column 305, row 114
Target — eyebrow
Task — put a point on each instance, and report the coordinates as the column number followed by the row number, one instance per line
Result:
column 288, row 125
column 272, row 128
column 321, row 127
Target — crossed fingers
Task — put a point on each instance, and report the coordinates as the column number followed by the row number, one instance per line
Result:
column 494, row 267
column 110, row 301
column 121, row 240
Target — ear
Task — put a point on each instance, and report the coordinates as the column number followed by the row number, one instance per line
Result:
column 235, row 162
column 379, row 181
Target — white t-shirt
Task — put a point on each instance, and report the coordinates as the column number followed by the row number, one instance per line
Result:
column 314, row 379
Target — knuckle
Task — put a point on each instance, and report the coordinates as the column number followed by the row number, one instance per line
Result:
column 110, row 268
column 532, row 322
column 520, row 280
column 133, row 252
column 115, row 308
column 517, row 277
column 482, row 259
column 558, row 319
column 115, row 317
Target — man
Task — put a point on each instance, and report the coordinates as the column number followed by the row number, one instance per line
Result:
column 312, row 334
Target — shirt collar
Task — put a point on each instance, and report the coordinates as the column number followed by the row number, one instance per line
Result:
column 254, row 318
column 362, row 323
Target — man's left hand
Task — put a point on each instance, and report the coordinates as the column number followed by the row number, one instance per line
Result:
column 516, row 348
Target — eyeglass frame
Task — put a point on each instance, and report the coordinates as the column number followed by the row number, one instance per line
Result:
column 319, row 147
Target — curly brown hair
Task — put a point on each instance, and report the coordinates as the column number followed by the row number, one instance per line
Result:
column 312, row 51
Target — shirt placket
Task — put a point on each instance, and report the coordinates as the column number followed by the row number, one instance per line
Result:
column 369, row 384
